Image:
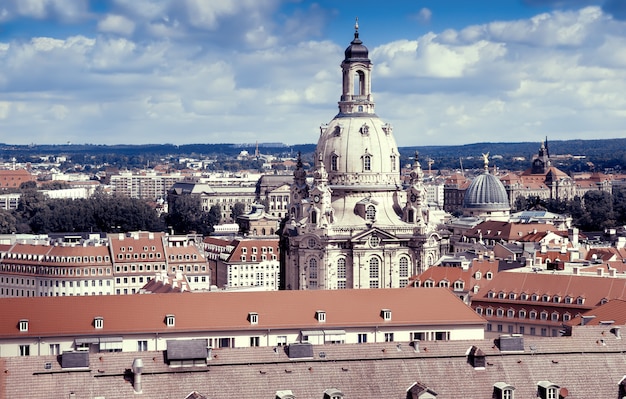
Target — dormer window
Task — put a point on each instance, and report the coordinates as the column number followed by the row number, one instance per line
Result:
column 568, row 299
column 477, row 275
column 23, row 325
column 512, row 296
column 580, row 300
column 501, row 295
column 98, row 322
column 488, row 275
column 522, row 314
column 170, row 320
column 333, row 394
column 534, row 297
column 548, row 390
column 370, row 213
column 320, row 315
column 386, row 314
column 253, row 317
column 503, row 390
column 545, row 298
column 491, row 294
column 524, row 296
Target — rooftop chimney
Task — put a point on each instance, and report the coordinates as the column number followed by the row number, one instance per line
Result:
column 137, row 370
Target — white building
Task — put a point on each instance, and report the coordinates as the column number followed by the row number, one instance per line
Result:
column 51, row 326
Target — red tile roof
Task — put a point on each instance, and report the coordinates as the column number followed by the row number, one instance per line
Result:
column 613, row 311
column 592, row 288
column 54, row 316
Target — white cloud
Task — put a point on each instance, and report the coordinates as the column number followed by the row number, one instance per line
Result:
column 424, row 15
column 116, row 24
column 169, row 76
column 67, row 10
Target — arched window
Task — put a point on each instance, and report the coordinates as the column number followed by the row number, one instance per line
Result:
column 411, row 216
column 341, row 273
column 393, row 162
column 359, row 83
column 312, row 273
column 403, row 265
column 370, row 213
column 374, row 272
column 367, row 163
column 313, row 217
column 333, row 162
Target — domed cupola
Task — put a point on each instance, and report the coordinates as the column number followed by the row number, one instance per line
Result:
column 358, row 149
column 356, row 51
column 486, row 196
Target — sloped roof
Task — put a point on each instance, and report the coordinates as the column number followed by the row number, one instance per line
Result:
column 53, row 316
column 613, row 311
column 497, row 230
column 592, row 288
column 589, row 364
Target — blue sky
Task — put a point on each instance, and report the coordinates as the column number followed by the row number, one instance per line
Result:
column 213, row 71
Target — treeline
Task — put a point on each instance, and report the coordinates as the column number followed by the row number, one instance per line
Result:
column 37, row 214
column 595, row 211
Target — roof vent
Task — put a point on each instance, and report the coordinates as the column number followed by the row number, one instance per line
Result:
column 300, row 351
column 418, row 390
column 477, row 358
column 511, row 343
column 285, row 394
column 137, row 370
column 586, row 319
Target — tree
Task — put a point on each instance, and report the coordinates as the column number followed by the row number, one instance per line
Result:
column 186, row 215
column 237, row 210
column 215, row 215
column 8, row 222
column 599, row 210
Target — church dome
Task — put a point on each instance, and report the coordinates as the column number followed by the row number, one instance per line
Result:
column 359, row 150
column 356, row 51
column 486, row 192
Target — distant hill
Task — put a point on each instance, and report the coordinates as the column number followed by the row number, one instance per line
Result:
column 598, row 154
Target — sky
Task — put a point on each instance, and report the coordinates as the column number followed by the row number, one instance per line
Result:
column 446, row 72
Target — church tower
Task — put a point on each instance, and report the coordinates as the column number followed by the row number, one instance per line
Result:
column 350, row 231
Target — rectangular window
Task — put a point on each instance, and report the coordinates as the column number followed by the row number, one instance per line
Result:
column 281, row 340
column 254, row 341
column 55, row 349
column 362, row 338
column 142, row 346
column 418, row 336
column 227, row 342
column 388, row 337
column 24, row 350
